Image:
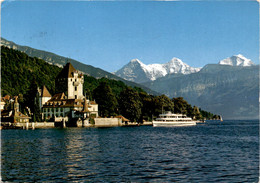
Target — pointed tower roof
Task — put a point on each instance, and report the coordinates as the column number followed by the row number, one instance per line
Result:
column 67, row 71
column 45, row 92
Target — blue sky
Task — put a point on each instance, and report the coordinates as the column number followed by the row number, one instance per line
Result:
column 109, row 34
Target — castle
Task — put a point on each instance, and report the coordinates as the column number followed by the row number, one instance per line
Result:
column 69, row 102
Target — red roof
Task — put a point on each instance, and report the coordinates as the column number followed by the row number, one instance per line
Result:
column 58, row 96
column 45, row 92
column 67, row 71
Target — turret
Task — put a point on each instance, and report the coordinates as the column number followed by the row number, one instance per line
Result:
column 16, row 104
column 70, row 82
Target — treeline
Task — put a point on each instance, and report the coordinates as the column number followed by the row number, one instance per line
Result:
column 22, row 74
column 137, row 105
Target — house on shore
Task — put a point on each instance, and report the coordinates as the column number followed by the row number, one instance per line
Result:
column 13, row 115
column 44, row 95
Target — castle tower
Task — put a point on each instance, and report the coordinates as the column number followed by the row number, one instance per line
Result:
column 70, row 82
column 16, row 105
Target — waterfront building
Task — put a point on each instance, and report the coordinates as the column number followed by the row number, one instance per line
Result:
column 14, row 115
column 44, row 95
column 69, row 102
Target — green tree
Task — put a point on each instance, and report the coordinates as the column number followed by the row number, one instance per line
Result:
column 197, row 114
column 32, row 101
column 88, row 94
column 161, row 104
column 106, row 100
column 130, row 105
column 36, row 107
column 147, row 103
column 206, row 114
column 182, row 106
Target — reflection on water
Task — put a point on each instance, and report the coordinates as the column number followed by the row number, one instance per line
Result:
column 202, row 153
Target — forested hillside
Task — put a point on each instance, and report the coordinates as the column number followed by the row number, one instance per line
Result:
column 18, row 71
column 60, row 61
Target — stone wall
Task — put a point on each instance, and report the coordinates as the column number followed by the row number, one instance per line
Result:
column 33, row 125
column 44, row 124
column 108, row 122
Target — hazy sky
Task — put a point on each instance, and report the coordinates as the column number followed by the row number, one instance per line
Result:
column 109, row 34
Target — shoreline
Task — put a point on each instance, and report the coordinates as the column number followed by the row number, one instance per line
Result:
column 44, row 125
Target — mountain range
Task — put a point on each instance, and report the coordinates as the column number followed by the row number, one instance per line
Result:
column 229, row 88
column 59, row 61
column 138, row 72
column 232, row 91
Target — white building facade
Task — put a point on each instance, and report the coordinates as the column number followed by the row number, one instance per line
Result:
column 70, row 102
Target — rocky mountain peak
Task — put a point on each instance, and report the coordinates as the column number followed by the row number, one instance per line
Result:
column 174, row 59
column 135, row 61
column 237, row 60
column 139, row 72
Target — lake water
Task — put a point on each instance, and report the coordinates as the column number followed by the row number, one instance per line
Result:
column 212, row 152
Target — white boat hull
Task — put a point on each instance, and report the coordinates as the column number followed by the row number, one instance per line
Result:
column 174, row 123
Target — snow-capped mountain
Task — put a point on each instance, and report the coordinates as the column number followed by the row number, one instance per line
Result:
column 237, row 60
column 139, row 72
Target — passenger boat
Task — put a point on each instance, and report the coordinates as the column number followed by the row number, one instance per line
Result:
column 170, row 119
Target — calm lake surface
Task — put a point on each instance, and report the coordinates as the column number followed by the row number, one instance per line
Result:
column 212, row 152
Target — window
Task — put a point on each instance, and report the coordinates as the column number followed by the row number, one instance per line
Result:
column 75, row 96
column 75, row 88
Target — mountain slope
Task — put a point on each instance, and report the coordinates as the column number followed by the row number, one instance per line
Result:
column 222, row 89
column 18, row 72
column 54, row 59
column 138, row 72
